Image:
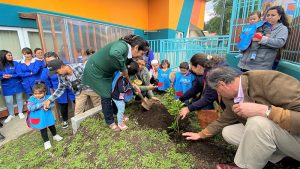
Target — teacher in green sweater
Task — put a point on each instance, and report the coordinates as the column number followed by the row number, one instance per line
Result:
column 101, row 66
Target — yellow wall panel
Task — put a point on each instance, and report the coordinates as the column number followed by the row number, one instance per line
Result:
column 202, row 14
column 175, row 7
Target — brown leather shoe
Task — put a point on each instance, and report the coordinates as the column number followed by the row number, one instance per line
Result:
column 227, row 166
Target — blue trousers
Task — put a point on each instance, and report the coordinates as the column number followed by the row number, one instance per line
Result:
column 10, row 103
column 121, row 109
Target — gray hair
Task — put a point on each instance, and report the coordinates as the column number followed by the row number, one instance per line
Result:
column 218, row 74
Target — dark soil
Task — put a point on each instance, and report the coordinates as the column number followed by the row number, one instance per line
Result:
column 157, row 117
column 207, row 152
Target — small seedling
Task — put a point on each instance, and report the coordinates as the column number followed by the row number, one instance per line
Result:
column 173, row 106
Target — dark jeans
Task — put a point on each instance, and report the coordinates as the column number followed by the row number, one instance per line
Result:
column 109, row 109
column 45, row 134
column 64, row 111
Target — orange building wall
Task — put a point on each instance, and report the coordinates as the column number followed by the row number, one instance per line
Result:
column 158, row 14
column 164, row 14
column 198, row 13
column 202, row 14
column 140, row 14
column 132, row 13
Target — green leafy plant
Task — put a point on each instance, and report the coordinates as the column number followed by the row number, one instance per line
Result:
column 173, row 106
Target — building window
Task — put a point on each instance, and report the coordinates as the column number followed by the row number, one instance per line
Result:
column 71, row 37
column 9, row 40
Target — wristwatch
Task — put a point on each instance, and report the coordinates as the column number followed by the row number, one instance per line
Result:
column 268, row 111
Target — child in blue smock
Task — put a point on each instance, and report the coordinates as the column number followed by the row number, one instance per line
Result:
column 163, row 78
column 183, row 80
column 255, row 28
column 122, row 91
column 40, row 118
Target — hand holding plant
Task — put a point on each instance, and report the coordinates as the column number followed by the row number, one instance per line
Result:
column 183, row 112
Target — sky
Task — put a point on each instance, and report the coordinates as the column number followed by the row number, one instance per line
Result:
column 208, row 11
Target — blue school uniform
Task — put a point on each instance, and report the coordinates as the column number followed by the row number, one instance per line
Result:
column 163, row 79
column 39, row 118
column 29, row 74
column 128, row 92
column 42, row 61
column 52, row 82
column 183, row 83
column 14, row 84
column 248, row 33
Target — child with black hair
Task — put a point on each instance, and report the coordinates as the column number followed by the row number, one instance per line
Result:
column 39, row 54
column 256, row 28
column 164, row 72
column 183, row 80
column 122, row 92
column 40, row 118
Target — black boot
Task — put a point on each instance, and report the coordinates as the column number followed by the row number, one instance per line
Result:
column 1, row 137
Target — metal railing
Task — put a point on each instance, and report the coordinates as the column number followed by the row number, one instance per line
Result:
column 241, row 10
column 291, row 52
column 181, row 50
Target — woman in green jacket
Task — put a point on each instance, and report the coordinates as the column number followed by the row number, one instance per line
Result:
column 101, row 66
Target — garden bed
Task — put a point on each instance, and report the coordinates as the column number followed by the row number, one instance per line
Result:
column 208, row 152
column 148, row 143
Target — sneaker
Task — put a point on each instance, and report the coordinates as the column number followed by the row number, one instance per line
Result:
column 253, row 56
column 239, row 55
column 125, row 118
column 65, row 124
column 47, row 145
column 114, row 127
column 21, row 116
column 8, row 119
column 57, row 137
column 123, row 126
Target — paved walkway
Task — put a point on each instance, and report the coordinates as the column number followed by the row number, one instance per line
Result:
column 14, row 129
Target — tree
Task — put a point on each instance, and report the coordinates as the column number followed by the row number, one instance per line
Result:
column 213, row 25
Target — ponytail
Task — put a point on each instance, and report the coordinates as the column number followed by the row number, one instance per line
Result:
column 134, row 40
column 206, row 61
